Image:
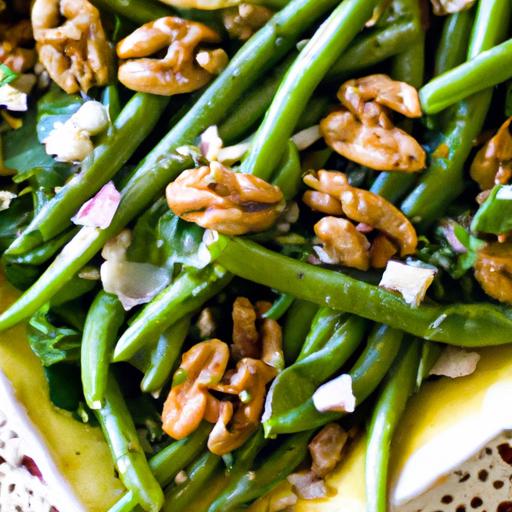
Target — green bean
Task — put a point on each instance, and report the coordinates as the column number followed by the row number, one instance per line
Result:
column 443, row 181
column 494, row 214
column 111, row 100
column 367, row 373
column 130, row 128
column 296, row 384
column 105, row 317
column 478, row 324
column 454, row 41
column 289, row 176
column 128, row 455
column 180, row 497
column 167, row 463
column 165, row 356
column 296, row 327
column 299, row 83
column 186, row 294
column 398, row 386
column 254, row 484
column 321, row 329
column 74, row 288
column 279, row 307
column 486, row 70
column 163, row 164
column 139, row 11
column 430, row 353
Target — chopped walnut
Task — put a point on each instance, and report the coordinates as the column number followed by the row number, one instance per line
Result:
column 369, row 208
column 237, row 423
column 189, row 402
column 326, row 449
column 378, row 147
column 243, row 21
column 343, row 243
column 232, row 203
column 381, row 251
column 17, row 46
column 248, row 341
column 76, row 54
column 328, row 182
column 493, row 270
column 493, row 162
column 307, row 485
column 178, row 71
column 322, row 202
column 443, row 7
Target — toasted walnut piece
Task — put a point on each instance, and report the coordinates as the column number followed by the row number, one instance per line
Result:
column 245, row 334
column 307, row 485
column 493, row 270
column 343, row 243
column 322, row 202
column 381, row 251
column 272, row 344
column 377, row 147
column 329, row 182
column 443, row 7
column 178, row 71
column 76, row 54
column 232, row 203
column 364, row 206
column 189, row 402
column 326, row 448
column 236, row 424
column 243, row 21
column 16, row 46
column 493, row 162
column 379, row 88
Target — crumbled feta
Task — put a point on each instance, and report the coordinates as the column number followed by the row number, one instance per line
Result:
column 455, row 362
column 71, row 141
column 13, row 99
column 335, row 395
column 307, row 485
column 115, row 249
column 5, row 199
column 410, row 281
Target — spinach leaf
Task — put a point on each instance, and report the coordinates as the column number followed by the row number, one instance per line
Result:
column 65, row 386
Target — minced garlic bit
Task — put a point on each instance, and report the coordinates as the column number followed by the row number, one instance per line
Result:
column 455, row 362
column 410, row 281
column 71, row 141
column 335, row 395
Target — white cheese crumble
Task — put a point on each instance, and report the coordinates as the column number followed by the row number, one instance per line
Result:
column 455, row 362
column 411, row 281
column 5, row 199
column 13, row 99
column 335, row 395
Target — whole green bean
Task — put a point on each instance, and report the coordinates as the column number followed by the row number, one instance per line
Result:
column 139, row 11
column 297, row 324
column 105, row 317
column 367, row 373
column 486, row 70
column 299, row 83
column 180, row 497
column 478, row 324
column 163, row 164
column 454, row 41
column 130, row 128
column 443, row 180
column 297, row 383
column 165, row 356
column 128, row 455
column 398, row 386
column 186, row 294
column 430, row 353
column 254, row 484
column 167, row 463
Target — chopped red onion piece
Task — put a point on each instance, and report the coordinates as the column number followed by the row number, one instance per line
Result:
column 99, row 211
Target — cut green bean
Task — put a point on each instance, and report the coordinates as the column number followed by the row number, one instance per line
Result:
column 165, row 356
column 186, row 294
column 279, row 307
column 128, row 455
column 299, row 83
column 399, row 385
column 289, row 176
column 163, row 164
column 479, row 324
